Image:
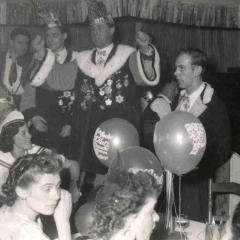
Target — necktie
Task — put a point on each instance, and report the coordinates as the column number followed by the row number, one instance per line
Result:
column 13, row 73
column 185, row 103
column 100, row 62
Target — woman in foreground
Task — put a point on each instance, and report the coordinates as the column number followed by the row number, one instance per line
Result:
column 33, row 188
column 123, row 208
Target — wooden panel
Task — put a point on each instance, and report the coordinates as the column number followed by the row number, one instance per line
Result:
column 222, row 46
column 209, row 13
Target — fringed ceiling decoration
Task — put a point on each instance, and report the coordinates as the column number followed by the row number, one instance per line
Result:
column 70, row 12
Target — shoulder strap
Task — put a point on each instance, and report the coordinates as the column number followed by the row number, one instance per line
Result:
column 37, row 152
column 40, row 150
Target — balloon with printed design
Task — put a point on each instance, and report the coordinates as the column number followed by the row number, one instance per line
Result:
column 139, row 158
column 114, row 135
column 179, row 141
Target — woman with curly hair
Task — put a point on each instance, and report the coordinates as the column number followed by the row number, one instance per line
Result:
column 33, row 188
column 15, row 142
column 123, row 209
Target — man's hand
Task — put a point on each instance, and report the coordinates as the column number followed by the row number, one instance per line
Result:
column 142, row 40
column 39, row 123
column 73, row 189
column 66, row 130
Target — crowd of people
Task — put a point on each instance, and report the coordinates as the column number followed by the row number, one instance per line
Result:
column 52, row 101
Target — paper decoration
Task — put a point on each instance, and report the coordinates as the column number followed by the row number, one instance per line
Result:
column 195, row 14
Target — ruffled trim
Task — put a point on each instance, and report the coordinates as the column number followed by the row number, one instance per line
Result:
column 207, row 96
column 156, row 68
column 84, row 60
column 207, row 93
column 44, row 70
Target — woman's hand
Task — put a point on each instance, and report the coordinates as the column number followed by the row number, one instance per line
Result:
column 64, row 208
column 62, row 214
column 76, row 194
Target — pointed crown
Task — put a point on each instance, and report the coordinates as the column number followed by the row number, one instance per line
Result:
column 97, row 12
column 48, row 17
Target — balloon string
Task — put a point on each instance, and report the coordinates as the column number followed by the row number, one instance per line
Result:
column 180, row 197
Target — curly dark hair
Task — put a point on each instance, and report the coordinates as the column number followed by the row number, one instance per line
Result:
column 19, row 31
column 7, row 134
column 115, row 202
column 26, row 170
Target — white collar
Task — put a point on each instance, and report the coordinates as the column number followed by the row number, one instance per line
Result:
column 108, row 49
column 61, row 55
column 193, row 96
column 196, row 93
column 166, row 98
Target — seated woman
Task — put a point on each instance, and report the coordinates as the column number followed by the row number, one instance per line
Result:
column 15, row 142
column 123, row 209
column 33, row 188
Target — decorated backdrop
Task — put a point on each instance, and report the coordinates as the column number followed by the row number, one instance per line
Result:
column 212, row 27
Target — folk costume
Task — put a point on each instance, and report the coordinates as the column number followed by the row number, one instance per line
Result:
column 212, row 112
column 52, row 99
column 107, row 90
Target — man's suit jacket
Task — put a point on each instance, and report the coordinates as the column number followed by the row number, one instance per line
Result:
column 212, row 112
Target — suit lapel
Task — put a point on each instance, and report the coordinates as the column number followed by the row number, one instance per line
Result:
column 198, row 107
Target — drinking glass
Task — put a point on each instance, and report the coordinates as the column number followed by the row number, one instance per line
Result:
column 183, row 222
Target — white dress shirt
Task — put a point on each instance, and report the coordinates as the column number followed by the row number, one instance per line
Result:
column 192, row 97
column 61, row 56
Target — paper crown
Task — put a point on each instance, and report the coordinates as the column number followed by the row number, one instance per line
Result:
column 97, row 12
column 12, row 117
column 48, row 17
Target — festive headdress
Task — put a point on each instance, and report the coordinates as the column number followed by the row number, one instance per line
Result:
column 14, row 116
column 97, row 12
column 48, row 17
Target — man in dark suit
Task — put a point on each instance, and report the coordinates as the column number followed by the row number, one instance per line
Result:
column 199, row 98
column 15, row 62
